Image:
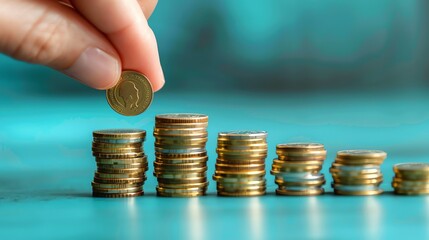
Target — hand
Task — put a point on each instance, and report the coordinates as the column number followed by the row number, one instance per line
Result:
column 89, row 40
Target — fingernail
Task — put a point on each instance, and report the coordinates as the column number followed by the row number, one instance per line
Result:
column 95, row 68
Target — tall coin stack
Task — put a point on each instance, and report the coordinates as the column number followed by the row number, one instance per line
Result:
column 121, row 163
column 181, row 156
column 411, row 178
column 240, row 166
column 297, row 169
column 357, row 172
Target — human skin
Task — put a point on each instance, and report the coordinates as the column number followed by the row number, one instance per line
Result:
column 90, row 41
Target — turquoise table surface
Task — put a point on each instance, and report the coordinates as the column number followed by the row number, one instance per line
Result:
column 46, row 167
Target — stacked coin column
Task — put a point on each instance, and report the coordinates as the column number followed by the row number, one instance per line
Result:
column 240, row 166
column 121, row 163
column 181, row 156
column 411, row 178
column 357, row 172
column 297, row 169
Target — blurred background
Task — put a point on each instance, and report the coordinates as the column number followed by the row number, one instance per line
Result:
column 275, row 45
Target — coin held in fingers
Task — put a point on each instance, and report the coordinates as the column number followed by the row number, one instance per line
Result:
column 132, row 95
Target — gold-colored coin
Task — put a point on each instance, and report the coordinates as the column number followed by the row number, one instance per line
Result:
column 125, row 134
column 118, row 175
column 179, row 175
column 182, row 180
column 241, row 194
column 132, row 94
column 358, row 193
column 122, row 161
column 361, row 154
column 116, row 145
column 300, row 184
column 183, row 186
column 116, row 185
column 117, row 190
column 181, row 118
column 118, row 155
column 117, row 195
column 304, row 192
column 120, row 180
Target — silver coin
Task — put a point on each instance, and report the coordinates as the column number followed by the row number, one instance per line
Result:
column 300, row 145
column 179, row 151
column 301, row 188
column 308, row 177
column 179, row 116
column 412, row 166
column 243, row 134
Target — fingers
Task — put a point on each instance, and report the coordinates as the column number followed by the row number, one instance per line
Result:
column 125, row 25
column 49, row 33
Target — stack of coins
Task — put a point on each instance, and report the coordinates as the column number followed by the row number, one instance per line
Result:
column 297, row 169
column 181, row 156
column 121, row 163
column 411, row 178
column 357, row 172
column 240, row 166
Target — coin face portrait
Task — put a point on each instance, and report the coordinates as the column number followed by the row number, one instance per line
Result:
column 129, row 94
column 132, row 95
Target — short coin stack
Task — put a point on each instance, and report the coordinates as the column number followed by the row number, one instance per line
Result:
column 411, row 178
column 297, row 169
column 121, row 163
column 240, row 166
column 357, row 172
column 181, row 155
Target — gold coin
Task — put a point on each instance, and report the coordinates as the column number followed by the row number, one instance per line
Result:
column 181, row 195
column 113, row 134
column 304, row 192
column 400, row 191
column 238, row 178
column 120, row 180
column 182, row 180
column 243, row 135
column 239, row 168
column 117, row 190
column 123, row 166
column 132, row 94
column 117, row 145
column 166, row 166
column 361, row 154
column 352, row 181
column 359, row 193
column 123, row 161
column 300, row 146
column 119, row 175
column 181, row 125
column 241, row 194
column 175, row 156
column 226, row 141
column 182, row 160
column 120, row 171
column 351, row 161
column 179, row 175
column 116, row 150
column 116, row 185
column 300, row 184
column 118, row 155
column 237, row 174
column 181, row 118
column 183, row 186
column 117, row 195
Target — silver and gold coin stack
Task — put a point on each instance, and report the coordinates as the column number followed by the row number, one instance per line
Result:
column 240, row 166
column 411, row 178
column 357, row 172
column 297, row 169
column 181, row 155
column 121, row 163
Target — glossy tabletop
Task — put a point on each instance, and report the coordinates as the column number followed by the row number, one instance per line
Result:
column 46, row 167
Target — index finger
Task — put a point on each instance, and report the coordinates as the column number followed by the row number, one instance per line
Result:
column 125, row 25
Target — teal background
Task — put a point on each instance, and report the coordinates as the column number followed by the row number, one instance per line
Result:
column 350, row 75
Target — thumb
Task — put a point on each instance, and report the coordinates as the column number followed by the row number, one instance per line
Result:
column 51, row 34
